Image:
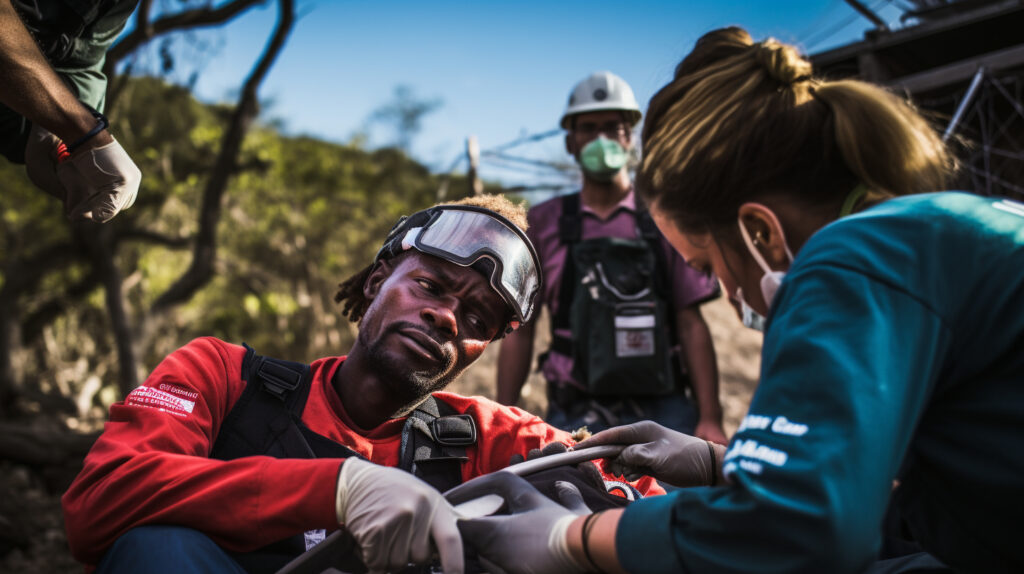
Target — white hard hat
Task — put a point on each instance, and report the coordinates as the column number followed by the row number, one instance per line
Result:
column 601, row 91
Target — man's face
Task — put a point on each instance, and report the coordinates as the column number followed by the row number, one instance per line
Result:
column 428, row 319
column 587, row 127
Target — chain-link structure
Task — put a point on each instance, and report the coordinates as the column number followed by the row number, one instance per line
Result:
column 962, row 63
column 989, row 133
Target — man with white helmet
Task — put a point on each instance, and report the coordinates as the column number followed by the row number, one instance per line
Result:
column 628, row 338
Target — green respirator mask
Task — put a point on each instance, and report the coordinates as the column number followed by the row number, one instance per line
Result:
column 602, row 158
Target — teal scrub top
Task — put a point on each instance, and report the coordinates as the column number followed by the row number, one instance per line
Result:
column 894, row 350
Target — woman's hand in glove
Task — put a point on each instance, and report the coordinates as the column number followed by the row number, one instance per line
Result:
column 669, row 456
column 532, row 538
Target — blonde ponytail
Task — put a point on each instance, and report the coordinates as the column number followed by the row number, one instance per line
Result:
column 742, row 120
column 884, row 141
column 782, row 62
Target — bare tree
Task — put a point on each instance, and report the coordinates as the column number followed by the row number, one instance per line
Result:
column 97, row 246
column 405, row 113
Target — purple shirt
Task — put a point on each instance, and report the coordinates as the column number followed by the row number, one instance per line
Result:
column 689, row 286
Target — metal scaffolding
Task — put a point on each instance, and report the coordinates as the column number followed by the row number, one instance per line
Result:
column 989, row 133
column 962, row 63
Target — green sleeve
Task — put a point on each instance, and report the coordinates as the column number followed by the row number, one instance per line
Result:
column 847, row 365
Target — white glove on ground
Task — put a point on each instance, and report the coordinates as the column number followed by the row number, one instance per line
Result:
column 104, row 179
column 669, row 456
column 395, row 516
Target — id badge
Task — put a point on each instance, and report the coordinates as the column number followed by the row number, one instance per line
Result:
column 634, row 330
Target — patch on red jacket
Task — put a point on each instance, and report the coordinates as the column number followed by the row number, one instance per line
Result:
column 162, row 400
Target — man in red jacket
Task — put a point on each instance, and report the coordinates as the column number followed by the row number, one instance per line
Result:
column 224, row 461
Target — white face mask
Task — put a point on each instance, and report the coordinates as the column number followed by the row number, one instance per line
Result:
column 770, row 281
column 750, row 317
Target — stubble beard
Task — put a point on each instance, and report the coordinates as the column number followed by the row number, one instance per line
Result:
column 409, row 385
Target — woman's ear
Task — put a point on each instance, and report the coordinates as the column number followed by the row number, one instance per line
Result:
column 376, row 278
column 766, row 233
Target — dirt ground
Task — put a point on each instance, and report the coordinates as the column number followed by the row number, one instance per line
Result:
column 31, row 527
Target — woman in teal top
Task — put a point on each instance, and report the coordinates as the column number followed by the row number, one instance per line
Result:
column 893, row 351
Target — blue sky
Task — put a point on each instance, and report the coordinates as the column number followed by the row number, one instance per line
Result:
column 501, row 69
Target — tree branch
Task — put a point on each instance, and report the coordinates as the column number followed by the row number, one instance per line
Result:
column 23, row 274
column 100, row 242
column 145, row 30
column 152, row 237
column 39, row 448
column 46, row 313
column 204, row 252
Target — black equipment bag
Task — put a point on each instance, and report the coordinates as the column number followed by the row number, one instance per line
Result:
column 615, row 300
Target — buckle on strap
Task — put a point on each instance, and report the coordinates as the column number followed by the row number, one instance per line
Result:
column 454, row 430
column 278, row 379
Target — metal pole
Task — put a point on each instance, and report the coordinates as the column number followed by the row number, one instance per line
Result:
column 965, row 103
column 867, row 13
column 476, row 187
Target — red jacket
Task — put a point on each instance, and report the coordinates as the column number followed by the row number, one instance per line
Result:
column 150, row 465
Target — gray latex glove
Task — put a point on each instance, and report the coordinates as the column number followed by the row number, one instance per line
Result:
column 669, row 456
column 100, row 182
column 530, row 540
column 396, row 518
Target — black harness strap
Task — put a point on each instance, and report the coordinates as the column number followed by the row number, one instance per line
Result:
column 663, row 282
column 267, row 419
column 434, row 441
column 570, row 231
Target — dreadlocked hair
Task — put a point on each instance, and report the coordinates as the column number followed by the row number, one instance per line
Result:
column 350, row 291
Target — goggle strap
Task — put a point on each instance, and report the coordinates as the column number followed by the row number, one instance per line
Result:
column 409, row 241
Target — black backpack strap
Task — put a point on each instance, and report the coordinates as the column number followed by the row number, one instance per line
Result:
column 570, row 231
column 663, row 282
column 266, row 420
column 649, row 232
column 434, row 441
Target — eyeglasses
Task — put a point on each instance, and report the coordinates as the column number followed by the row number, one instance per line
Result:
column 611, row 129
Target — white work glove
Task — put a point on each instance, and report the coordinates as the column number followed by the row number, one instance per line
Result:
column 395, row 516
column 100, row 182
column 532, row 539
column 669, row 456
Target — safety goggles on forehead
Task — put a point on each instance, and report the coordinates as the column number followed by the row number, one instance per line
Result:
column 467, row 235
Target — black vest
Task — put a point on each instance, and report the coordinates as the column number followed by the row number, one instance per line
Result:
column 267, row 420
column 570, row 231
column 591, row 327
